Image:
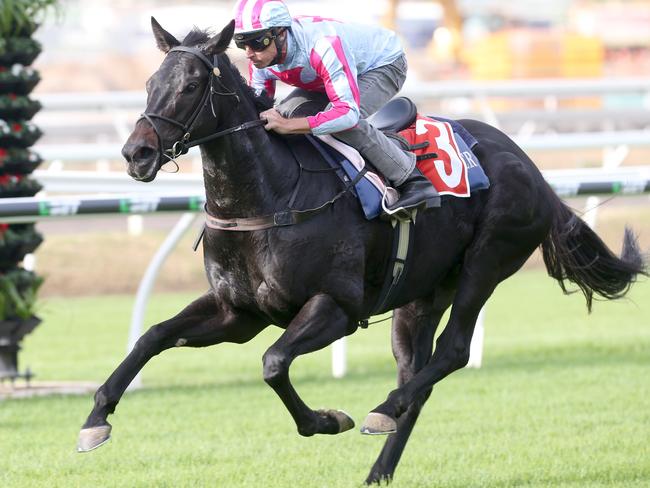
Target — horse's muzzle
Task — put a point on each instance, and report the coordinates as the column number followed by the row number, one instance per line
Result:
column 142, row 160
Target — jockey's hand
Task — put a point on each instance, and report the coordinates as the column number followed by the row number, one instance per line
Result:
column 281, row 125
column 274, row 121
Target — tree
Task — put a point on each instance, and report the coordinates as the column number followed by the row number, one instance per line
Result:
column 18, row 21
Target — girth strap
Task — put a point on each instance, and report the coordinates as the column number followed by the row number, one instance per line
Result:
column 278, row 219
column 397, row 267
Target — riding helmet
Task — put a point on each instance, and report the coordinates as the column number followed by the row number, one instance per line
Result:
column 259, row 15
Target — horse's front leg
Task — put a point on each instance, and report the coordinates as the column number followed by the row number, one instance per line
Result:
column 202, row 323
column 320, row 322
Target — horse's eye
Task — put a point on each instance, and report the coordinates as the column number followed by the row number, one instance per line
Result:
column 191, row 87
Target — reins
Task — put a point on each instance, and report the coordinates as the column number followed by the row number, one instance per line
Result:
column 245, row 126
column 278, row 219
column 283, row 218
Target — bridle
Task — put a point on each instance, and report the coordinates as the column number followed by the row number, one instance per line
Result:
column 182, row 145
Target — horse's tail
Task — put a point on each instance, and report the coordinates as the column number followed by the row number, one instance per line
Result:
column 574, row 252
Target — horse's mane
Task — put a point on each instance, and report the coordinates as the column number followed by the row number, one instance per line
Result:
column 197, row 37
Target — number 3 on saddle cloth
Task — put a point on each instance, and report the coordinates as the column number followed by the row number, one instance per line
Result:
column 452, row 166
column 447, row 161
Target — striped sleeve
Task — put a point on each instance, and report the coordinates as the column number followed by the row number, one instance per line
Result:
column 329, row 59
column 261, row 80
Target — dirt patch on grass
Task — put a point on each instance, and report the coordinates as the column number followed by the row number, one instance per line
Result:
column 114, row 263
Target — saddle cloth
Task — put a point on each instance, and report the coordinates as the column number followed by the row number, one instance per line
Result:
column 455, row 171
column 453, row 168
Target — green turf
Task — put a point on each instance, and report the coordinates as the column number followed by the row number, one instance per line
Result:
column 563, row 400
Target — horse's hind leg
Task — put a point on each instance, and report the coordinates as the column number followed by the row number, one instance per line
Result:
column 452, row 348
column 514, row 223
column 320, row 322
column 480, row 275
column 202, row 323
column 414, row 327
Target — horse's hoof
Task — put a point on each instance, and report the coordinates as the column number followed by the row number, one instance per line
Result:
column 343, row 420
column 378, row 424
column 93, row 437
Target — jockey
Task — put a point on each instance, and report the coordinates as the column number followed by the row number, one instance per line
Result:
column 343, row 74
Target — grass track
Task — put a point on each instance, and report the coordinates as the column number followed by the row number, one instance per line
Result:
column 563, row 400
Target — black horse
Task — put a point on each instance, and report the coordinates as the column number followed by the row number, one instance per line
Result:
column 319, row 278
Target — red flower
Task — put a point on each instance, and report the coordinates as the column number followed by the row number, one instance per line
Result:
column 17, row 127
column 12, row 96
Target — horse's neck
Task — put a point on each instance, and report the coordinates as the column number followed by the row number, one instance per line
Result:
column 244, row 174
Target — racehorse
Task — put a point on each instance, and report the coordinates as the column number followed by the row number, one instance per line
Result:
column 318, row 275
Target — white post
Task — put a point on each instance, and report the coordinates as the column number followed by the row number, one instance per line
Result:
column 135, row 225
column 591, row 212
column 476, row 346
column 613, row 157
column 148, row 280
column 339, row 358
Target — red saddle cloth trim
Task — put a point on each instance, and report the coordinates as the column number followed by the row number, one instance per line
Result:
column 447, row 172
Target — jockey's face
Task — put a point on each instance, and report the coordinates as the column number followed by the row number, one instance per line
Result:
column 264, row 58
column 261, row 59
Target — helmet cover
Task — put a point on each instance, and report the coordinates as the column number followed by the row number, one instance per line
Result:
column 258, row 15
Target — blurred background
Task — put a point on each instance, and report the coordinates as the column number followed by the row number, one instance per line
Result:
column 107, row 45
column 568, row 79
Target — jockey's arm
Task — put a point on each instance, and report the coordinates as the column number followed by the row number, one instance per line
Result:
column 328, row 58
column 261, row 81
column 335, row 65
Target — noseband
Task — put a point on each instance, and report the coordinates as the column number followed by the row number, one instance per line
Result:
column 182, row 145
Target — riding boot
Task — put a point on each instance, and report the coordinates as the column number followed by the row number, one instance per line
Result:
column 397, row 166
column 416, row 192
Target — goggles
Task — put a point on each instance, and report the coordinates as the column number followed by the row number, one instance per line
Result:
column 258, row 43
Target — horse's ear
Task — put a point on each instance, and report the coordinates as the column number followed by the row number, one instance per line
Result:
column 220, row 42
column 164, row 39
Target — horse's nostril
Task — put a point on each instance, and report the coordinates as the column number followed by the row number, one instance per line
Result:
column 143, row 154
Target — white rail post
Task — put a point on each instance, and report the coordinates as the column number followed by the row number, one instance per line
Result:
column 591, row 212
column 135, row 225
column 148, row 280
column 476, row 346
column 339, row 358
column 613, row 157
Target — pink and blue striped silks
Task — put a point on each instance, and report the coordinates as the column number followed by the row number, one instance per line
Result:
column 327, row 56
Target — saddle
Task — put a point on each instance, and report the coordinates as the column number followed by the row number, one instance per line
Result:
column 401, row 113
column 395, row 116
column 443, row 150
